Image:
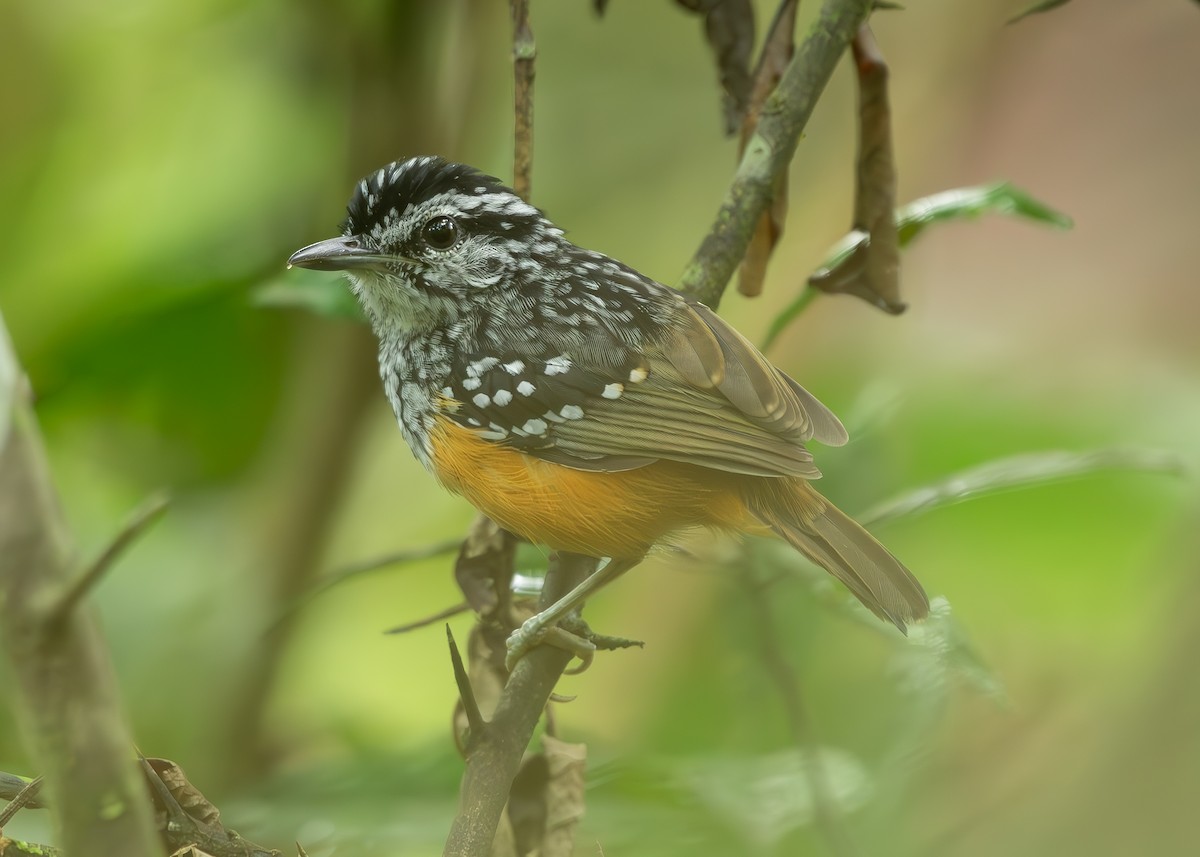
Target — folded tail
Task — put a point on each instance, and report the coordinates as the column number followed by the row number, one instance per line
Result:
column 837, row 543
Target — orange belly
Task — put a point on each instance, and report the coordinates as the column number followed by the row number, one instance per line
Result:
column 619, row 515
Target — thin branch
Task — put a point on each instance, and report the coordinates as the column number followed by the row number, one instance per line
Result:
column 365, row 567
column 524, row 54
column 16, row 848
column 466, row 693
column 25, row 797
column 11, row 785
column 441, row 615
column 141, row 520
column 770, row 150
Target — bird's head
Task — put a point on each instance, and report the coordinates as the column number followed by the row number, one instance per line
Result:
column 426, row 240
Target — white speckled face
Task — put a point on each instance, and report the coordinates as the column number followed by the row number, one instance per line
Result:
column 446, row 236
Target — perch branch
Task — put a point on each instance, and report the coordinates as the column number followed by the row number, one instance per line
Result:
column 495, row 756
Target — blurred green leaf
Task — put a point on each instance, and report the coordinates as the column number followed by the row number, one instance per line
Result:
column 315, row 291
column 1035, row 8
column 1021, row 471
column 911, row 220
column 767, row 797
column 939, row 651
column 969, row 202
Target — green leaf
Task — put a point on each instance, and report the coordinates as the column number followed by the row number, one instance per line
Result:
column 969, row 202
column 911, row 220
column 767, row 797
column 1035, row 8
column 315, row 291
column 938, row 652
column 1020, row 471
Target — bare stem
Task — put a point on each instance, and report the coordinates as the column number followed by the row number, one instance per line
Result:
column 524, row 54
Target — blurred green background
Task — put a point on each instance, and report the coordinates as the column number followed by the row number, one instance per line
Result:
column 159, row 161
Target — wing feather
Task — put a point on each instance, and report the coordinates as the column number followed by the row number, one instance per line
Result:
column 701, row 394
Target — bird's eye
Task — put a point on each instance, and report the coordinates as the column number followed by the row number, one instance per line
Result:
column 440, row 233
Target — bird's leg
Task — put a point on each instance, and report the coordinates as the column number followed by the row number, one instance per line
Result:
column 542, row 627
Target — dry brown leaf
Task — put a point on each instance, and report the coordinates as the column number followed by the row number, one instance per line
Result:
column 186, row 795
column 484, row 566
column 565, row 805
column 872, row 271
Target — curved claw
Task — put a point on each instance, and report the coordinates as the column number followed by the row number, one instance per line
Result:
column 534, row 632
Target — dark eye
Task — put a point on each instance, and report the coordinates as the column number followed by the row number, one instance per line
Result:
column 440, row 233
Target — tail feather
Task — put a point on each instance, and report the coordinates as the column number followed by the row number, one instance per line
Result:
column 837, row 543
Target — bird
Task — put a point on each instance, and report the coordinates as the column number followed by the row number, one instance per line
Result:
column 578, row 403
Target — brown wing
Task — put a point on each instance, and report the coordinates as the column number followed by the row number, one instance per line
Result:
column 703, row 396
column 712, row 356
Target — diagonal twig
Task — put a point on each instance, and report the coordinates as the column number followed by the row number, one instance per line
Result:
column 25, row 797
column 466, row 693
column 141, row 520
column 425, row 622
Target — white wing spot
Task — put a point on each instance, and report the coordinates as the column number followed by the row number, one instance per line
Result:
column 502, row 397
column 638, row 375
column 471, row 383
column 553, row 417
column 480, row 366
column 558, row 365
column 535, row 426
column 482, row 400
column 448, row 392
column 515, row 368
column 613, row 390
column 525, row 388
column 493, row 435
column 571, row 412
